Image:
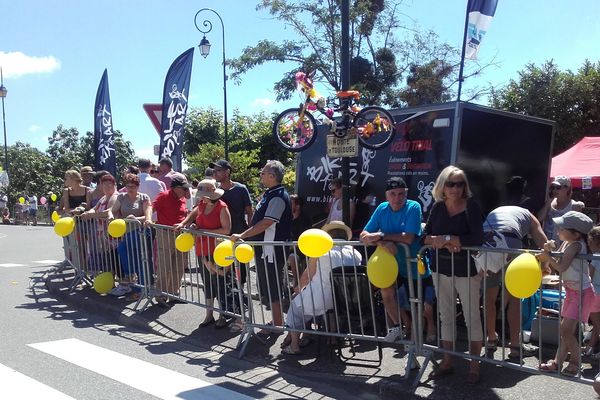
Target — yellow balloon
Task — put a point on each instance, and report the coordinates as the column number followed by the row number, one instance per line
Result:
column 22, row 200
column 64, row 226
column 223, row 253
column 55, row 216
column 420, row 265
column 117, row 228
column 53, row 197
column 244, row 253
column 184, row 242
column 523, row 276
column 315, row 242
column 382, row 268
column 104, row 282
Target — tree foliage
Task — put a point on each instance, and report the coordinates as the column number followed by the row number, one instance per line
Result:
column 251, row 144
column 571, row 99
column 385, row 50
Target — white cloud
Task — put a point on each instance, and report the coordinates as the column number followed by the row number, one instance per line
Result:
column 261, row 102
column 16, row 64
column 34, row 128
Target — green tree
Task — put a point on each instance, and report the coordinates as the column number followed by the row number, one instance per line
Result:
column 125, row 155
column 571, row 99
column 30, row 172
column 64, row 148
column 383, row 48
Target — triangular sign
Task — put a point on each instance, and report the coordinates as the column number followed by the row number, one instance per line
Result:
column 154, row 112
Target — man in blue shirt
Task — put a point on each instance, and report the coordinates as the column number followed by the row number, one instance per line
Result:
column 395, row 221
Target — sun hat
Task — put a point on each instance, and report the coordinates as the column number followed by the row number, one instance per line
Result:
column 208, row 188
column 335, row 225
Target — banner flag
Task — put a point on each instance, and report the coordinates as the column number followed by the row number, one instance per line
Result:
column 480, row 14
column 175, row 94
column 104, row 140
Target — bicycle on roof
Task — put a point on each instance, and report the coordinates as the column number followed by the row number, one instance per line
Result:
column 295, row 129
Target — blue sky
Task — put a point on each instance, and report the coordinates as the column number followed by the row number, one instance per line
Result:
column 53, row 53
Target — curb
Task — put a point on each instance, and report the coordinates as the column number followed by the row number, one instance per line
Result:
column 384, row 387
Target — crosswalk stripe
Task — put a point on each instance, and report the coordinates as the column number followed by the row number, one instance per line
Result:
column 50, row 262
column 11, row 265
column 152, row 379
column 19, row 386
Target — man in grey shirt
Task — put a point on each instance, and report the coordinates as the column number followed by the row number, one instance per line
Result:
column 515, row 223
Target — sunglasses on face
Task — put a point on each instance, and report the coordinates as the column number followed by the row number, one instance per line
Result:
column 450, row 184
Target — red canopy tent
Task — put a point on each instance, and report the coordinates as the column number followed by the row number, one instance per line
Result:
column 581, row 163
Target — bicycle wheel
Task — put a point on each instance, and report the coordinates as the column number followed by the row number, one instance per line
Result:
column 291, row 133
column 375, row 127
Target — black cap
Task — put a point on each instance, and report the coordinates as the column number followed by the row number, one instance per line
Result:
column 179, row 180
column 395, row 183
column 166, row 160
column 224, row 164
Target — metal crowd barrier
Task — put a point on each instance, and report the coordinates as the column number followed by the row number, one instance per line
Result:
column 544, row 331
column 342, row 304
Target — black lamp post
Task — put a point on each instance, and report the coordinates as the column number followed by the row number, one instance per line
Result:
column 204, row 48
column 3, row 93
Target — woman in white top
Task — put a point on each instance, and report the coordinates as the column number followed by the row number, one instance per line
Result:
column 314, row 293
column 335, row 206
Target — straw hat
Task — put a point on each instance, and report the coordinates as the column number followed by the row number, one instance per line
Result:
column 334, row 225
column 208, row 188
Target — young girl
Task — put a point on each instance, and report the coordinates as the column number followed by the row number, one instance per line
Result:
column 594, row 246
column 573, row 228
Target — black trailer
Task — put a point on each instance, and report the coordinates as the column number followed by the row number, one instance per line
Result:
column 490, row 145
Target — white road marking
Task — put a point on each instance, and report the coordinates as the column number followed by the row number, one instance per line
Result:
column 49, row 262
column 19, row 386
column 144, row 376
column 11, row 265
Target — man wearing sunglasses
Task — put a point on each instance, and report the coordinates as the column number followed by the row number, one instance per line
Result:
column 559, row 202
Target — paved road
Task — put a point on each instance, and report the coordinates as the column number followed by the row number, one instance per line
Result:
column 70, row 346
column 53, row 351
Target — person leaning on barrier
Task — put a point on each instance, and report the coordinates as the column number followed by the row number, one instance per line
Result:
column 573, row 228
column 314, row 293
column 271, row 221
column 211, row 215
column 455, row 221
column 395, row 221
column 170, row 263
column 97, row 192
column 75, row 198
column 514, row 223
column 133, row 206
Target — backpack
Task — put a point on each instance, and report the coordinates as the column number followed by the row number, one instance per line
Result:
column 529, row 308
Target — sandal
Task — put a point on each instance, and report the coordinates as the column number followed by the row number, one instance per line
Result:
column 289, row 351
column 491, row 345
column 441, row 372
column 550, row 366
column 570, row 371
column 221, row 323
column 206, row 323
column 236, row 327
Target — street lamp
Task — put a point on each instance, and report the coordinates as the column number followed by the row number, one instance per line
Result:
column 3, row 93
column 204, row 48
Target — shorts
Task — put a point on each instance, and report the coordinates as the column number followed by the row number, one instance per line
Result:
column 269, row 274
column 595, row 308
column 494, row 280
column 428, row 292
column 573, row 298
column 32, row 212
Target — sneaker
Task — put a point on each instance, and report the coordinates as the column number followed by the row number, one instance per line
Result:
column 120, row 290
column 527, row 350
column 393, row 334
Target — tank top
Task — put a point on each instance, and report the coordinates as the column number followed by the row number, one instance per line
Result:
column 550, row 228
column 206, row 245
column 572, row 276
column 335, row 213
column 75, row 201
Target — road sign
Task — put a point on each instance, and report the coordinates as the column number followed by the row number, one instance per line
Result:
column 154, row 112
column 342, row 147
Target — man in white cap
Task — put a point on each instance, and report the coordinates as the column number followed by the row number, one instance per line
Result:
column 559, row 202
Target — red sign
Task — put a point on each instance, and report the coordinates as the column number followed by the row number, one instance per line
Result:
column 154, row 112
